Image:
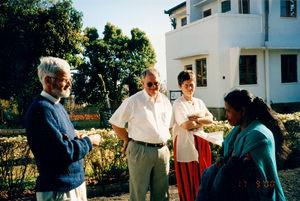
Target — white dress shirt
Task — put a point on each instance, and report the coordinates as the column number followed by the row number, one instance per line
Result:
column 148, row 121
column 182, row 109
column 49, row 97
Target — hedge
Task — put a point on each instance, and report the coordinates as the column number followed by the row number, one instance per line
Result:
column 103, row 164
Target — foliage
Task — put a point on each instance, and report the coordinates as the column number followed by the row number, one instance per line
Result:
column 217, row 126
column 173, row 23
column 75, row 117
column 292, row 125
column 29, row 30
column 111, row 63
column 8, row 110
column 105, row 162
column 15, row 166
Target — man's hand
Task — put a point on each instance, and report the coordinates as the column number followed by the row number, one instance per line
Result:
column 122, row 133
column 95, row 139
column 125, row 144
column 82, row 136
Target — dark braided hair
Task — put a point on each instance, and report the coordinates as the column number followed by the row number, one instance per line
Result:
column 256, row 108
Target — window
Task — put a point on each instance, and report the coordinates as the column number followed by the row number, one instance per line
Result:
column 225, row 6
column 288, row 8
column 244, row 6
column 201, row 73
column 188, row 67
column 288, row 68
column 248, row 69
column 207, row 13
column 183, row 21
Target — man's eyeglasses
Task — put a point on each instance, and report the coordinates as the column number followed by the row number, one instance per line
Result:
column 63, row 80
column 150, row 84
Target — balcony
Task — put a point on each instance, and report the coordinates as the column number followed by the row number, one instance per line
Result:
column 220, row 30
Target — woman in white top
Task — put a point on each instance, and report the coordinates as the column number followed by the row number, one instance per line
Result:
column 192, row 154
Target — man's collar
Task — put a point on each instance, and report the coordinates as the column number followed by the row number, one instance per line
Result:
column 49, row 97
column 149, row 98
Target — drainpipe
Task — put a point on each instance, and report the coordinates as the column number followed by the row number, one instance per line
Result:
column 267, row 85
column 267, row 78
column 188, row 12
column 266, row 20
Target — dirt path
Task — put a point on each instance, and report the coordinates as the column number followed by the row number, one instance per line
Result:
column 172, row 190
column 290, row 180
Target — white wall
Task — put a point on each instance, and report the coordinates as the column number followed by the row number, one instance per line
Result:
column 214, row 6
column 178, row 14
column 259, row 88
column 185, row 43
column 188, row 40
column 284, row 31
column 195, row 12
column 283, row 92
column 213, row 35
column 256, row 6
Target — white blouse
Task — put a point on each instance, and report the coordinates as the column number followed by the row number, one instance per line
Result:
column 182, row 109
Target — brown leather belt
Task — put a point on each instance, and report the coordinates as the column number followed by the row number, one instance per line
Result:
column 159, row 145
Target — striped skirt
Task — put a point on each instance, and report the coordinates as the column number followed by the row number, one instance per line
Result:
column 188, row 175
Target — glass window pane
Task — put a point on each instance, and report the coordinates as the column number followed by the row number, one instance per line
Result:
column 247, row 70
column 183, row 21
column 226, row 6
column 293, row 8
column 288, row 68
column 207, row 13
column 188, row 67
column 244, row 6
column 288, row 8
column 201, row 72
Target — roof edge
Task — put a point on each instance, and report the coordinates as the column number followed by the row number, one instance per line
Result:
column 175, row 7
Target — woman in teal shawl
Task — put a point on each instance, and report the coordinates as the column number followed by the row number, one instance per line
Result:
column 248, row 169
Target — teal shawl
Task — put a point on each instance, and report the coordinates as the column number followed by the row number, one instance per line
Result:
column 258, row 141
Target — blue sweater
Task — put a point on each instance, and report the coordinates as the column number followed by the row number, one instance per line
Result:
column 58, row 153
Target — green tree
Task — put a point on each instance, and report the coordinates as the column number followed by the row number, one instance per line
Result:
column 110, row 64
column 28, row 30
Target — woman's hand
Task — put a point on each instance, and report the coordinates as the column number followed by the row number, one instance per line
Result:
column 219, row 162
column 196, row 119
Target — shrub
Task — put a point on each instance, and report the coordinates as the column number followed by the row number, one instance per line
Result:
column 217, row 126
column 292, row 124
column 16, row 169
column 8, row 113
column 75, row 117
column 105, row 162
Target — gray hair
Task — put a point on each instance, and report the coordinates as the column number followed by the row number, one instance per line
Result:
column 50, row 66
column 151, row 71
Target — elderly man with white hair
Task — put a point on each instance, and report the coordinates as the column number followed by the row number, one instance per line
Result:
column 58, row 152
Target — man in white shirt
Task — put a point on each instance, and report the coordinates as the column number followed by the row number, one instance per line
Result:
column 148, row 114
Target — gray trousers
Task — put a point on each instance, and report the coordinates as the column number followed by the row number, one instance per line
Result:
column 148, row 167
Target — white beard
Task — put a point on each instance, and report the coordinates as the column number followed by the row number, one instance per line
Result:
column 61, row 93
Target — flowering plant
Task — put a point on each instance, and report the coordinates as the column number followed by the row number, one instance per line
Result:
column 76, row 117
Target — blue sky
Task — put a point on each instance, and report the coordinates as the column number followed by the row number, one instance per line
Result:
column 147, row 15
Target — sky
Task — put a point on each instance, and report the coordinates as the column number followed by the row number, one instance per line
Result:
column 147, row 15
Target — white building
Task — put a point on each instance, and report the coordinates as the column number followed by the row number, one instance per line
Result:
column 249, row 44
